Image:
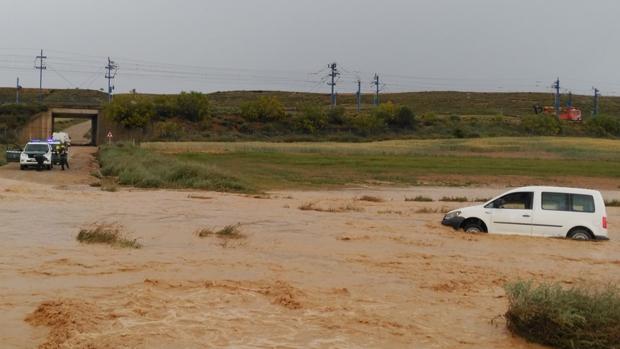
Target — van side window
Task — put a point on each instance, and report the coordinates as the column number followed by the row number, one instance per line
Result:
column 582, row 203
column 513, row 201
column 555, row 201
column 567, row 202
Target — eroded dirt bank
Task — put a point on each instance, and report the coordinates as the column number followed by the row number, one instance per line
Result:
column 367, row 275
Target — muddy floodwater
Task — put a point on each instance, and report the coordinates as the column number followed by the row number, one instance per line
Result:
column 352, row 274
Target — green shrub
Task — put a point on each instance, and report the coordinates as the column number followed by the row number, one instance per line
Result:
column 131, row 111
column 168, row 130
column 336, row 115
column 311, row 119
column 192, row 106
column 165, row 106
column 385, row 111
column 367, row 124
column 603, row 126
column 565, row 318
column 404, row 118
column 541, row 125
column 264, row 109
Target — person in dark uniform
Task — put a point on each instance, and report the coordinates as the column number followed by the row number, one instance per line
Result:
column 64, row 157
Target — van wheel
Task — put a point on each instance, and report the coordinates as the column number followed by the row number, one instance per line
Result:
column 579, row 234
column 22, row 167
column 472, row 228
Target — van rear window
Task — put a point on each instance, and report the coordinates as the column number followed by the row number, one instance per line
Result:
column 582, row 203
column 567, row 202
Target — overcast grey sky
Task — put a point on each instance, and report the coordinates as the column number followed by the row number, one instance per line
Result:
column 210, row 45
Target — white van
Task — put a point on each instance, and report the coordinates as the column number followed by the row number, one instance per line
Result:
column 538, row 211
column 62, row 137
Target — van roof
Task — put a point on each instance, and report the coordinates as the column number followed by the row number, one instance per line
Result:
column 558, row 189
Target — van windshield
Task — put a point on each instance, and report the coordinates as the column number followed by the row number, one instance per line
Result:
column 36, row 148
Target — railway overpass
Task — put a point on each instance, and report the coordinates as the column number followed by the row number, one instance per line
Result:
column 41, row 126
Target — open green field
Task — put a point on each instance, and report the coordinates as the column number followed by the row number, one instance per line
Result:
column 512, row 147
column 258, row 166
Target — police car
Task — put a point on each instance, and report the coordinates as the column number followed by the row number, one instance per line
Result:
column 33, row 150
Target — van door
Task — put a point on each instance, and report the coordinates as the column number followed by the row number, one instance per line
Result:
column 511, row 214
column 559, row 212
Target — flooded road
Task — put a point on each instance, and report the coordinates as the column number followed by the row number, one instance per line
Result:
column 360, row 275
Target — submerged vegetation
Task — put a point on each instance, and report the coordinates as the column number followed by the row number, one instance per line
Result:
column 565, row 318
column 108, row 234
column 228, row 232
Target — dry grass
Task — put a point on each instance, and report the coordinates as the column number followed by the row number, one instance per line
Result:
column 482, row 200
column 109, row 184
column 454, row 199
column 313, row 206
column 390, row 212
column 199, row 197
column 228, row 232
column 612, row 203
column 109, row 234
column 428, row 210
column 370, row 198
column 419, row 198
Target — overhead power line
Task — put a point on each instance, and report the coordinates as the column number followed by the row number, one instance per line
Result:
column 41, row 67
column 112, row 69
column 334, row 74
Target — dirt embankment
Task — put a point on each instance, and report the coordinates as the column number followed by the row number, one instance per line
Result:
column 81, row 161
column 354, row 274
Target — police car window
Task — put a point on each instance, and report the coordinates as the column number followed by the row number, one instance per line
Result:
column 514, row 201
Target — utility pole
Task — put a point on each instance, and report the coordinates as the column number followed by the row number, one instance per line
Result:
column 41, row 67
column 333, row 75
column 556, row 86
column 359, row 95
column 112, row 68
column 597, row 95
column 569, row 103
column 376, row 83
column 17, row 88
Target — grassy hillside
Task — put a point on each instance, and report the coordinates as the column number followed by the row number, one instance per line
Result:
column 55, row 97
column 306, row 116
column 459, row 103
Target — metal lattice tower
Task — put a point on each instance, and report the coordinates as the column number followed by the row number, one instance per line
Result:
column 334, row 74
column 111, row 68
column 41, row 67
column 377, row 84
